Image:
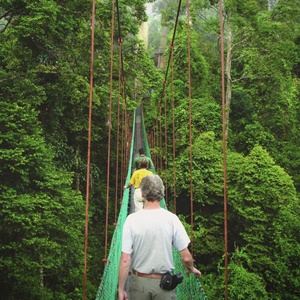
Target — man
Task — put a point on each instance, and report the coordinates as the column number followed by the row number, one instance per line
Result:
column 142, row 155
column 147, row 246
column 135, row 180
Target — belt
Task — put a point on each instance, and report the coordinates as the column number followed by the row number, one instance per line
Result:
column 153, row 275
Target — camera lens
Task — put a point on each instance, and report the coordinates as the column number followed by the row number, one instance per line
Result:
column 179, row 278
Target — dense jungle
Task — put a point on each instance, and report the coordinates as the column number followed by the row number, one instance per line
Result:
column 45, row 71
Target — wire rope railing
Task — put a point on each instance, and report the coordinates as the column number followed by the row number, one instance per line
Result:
column 224, row 144
column 109, row 283
column 87, row 197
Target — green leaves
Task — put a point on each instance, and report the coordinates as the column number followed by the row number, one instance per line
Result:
column 262, row 193
column 41, row 216
column 244, row 284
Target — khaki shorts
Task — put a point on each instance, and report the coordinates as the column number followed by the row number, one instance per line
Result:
column 146, row 289
column 138, row 200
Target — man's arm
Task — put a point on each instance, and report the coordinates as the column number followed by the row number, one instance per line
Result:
column 127, row 186
column 188, row 262
column 131, row 181
column 123, row 274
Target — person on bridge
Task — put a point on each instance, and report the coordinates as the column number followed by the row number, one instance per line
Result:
column 149, row 236
column 142, row 155
column 135, row 180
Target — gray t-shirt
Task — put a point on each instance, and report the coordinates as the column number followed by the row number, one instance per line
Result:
column 149, row 236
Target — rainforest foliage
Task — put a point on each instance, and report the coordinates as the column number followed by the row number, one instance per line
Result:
column 45, row 55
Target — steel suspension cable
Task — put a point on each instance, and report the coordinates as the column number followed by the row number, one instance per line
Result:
column 120, row 42
column 160, row 137
column 153, row 144
column 109, row 128
column 190, row 127
column 173, row 132
column 152, row 139
column 154, row 156
column 123, row 165
column 127, row 136
column 156, row 141
column 125, row 149
column 172, row 43
column 166, row 147
column 118, row 133
column 224, row 148
column 89, row 151
column 166, row 75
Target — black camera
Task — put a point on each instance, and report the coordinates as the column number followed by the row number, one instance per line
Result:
column 169, row 282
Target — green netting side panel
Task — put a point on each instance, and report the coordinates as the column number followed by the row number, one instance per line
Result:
column 191, row 287
column 109, row 284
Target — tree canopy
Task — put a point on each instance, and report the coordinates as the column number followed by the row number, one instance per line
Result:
column 44, row 91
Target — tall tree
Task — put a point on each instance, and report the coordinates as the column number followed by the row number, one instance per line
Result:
column 41, row 216
column 262, row 202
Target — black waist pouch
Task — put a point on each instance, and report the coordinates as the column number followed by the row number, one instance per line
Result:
column 169, row 282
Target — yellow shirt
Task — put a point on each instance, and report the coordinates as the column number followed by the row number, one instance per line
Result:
column 137, row 177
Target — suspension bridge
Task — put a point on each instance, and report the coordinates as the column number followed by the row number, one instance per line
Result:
column 191, row 288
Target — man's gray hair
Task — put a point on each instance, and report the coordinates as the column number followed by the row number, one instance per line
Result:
column 152, row 188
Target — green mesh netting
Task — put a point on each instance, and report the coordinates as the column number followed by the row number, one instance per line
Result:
column 189, row 289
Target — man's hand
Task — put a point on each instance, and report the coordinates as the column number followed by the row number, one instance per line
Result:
column 188, row 261
column 123, row 274
column 122, row 295
column 193, row 270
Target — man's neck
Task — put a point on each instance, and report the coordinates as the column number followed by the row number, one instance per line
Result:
column 152, row 205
